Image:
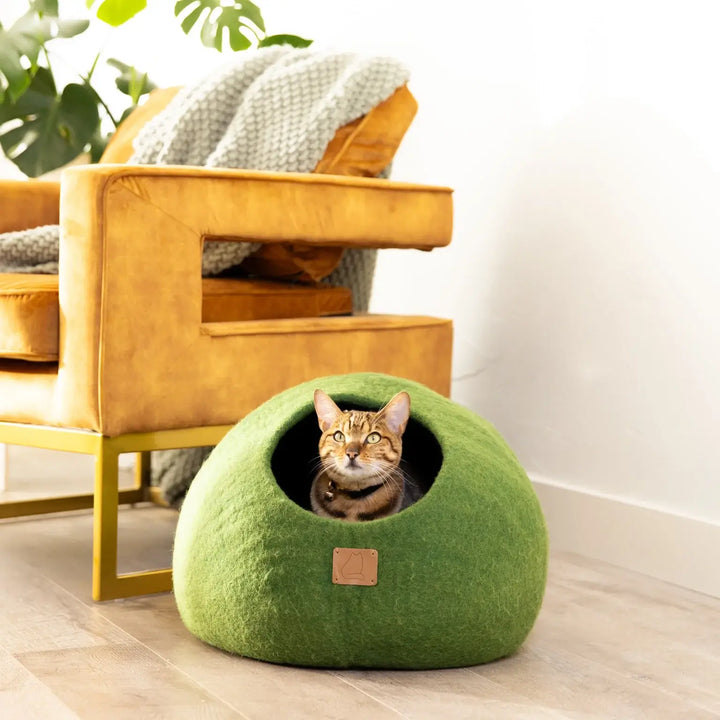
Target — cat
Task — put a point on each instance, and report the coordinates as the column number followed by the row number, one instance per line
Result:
column 360, row 477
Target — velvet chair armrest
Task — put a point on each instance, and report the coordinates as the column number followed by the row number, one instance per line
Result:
column 28, row 203
column 247, row 205
column 134, row 353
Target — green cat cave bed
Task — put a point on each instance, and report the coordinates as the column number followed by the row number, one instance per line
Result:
column 459, row 575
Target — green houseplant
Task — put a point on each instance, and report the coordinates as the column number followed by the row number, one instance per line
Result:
column 43, row 126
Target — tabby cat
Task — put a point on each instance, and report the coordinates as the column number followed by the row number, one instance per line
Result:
column 360, row 476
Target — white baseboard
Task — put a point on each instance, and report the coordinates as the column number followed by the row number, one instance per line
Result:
column 675, row 548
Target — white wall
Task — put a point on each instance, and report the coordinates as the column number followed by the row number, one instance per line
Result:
column 582, row 141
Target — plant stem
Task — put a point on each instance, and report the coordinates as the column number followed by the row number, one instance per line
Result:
column 92, row 68
column 104, row 104
column 47, row 60
column 87, row 79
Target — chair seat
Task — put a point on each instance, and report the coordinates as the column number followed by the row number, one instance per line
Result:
column 29, row 308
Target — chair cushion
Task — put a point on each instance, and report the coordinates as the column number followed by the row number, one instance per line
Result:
column 230, row 299
column 29, row 308
column 29, row 317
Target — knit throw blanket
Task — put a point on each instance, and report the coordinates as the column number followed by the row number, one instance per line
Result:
column 274, row 109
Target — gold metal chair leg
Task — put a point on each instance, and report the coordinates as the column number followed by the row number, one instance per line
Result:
column 105, row 520
column 142, row 472
column 107, row 584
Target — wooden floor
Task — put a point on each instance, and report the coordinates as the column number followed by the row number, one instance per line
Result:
column 607, row 644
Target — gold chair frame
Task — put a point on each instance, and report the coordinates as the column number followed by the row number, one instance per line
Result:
column 107, row 584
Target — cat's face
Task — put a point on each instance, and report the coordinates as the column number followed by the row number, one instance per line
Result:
column 358, row 448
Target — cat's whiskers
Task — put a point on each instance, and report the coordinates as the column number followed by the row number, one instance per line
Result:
column 387, row 473
column 393, row 470
column 315, row 465
column 404, row 468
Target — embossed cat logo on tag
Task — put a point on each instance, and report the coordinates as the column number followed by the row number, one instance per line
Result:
column 355, row 566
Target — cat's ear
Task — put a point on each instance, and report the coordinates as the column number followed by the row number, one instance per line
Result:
column 397, row 413
column 327, row 411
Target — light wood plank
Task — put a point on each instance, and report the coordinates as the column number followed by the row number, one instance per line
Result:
column 24, row 697
column 572, row 686
column 85, row 660
column 38, row 615
column 123, row 681
column 663, row 637
column 457, row 693
column 259, row 690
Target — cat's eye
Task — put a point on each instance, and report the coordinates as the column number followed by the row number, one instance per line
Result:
column 338, row 436
column 372, row 438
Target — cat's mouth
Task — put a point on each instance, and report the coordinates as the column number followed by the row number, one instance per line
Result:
column 351, row 475
column 353, row 466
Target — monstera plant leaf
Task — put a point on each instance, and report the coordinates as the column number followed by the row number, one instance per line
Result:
column 116, row 12
column 294, row 40
column 131, row 81
column 220, row 16
column 24, row 40
column 43, row 130
column 45, row 7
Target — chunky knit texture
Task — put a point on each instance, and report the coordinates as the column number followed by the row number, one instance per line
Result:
column 461, row 573
column 30, row 251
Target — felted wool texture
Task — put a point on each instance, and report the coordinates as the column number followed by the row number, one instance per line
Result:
column 461, row 573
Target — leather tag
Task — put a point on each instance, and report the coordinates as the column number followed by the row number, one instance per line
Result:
column 355, row 566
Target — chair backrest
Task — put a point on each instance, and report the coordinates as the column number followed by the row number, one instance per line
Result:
column 363, row 147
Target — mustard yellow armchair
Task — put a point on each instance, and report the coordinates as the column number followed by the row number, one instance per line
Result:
column 129, row 349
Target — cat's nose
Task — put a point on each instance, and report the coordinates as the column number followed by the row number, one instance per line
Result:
column 351, row 452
